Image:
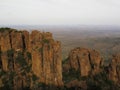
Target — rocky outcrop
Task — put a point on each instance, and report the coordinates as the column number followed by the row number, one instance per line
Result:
column 32, row 61
column 31, row 57
column 46, row 58
column 85, row 61
column 84, row 69
column 114, row 69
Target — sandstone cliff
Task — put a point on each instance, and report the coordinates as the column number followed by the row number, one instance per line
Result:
column 85, row 61
column 29, row 57
column 32, row 61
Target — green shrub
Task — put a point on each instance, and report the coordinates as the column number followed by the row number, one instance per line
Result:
column 7, row 81
column 34, row 77
column 71, row 75
column 20, row 59
column 46, row 41
column 41, row 49
column 23, row 73
column 2, row 73
column 4, row 29
column 65, row 61
column 28, row 68
column 29, row 55
column 10, row 54
column 12, row 74
column 99, row 82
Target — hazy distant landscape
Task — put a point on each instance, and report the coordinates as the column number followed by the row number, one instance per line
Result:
column 105, row 39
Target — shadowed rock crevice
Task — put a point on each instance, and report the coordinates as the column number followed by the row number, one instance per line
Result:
column 10, row 39
column 23, row 40
column 0, row 58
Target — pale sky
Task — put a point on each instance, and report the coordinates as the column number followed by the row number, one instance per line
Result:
column 59, row 12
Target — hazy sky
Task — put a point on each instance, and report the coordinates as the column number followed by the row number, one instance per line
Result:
column 60, row 12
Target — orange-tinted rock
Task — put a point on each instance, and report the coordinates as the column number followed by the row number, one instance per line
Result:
column 5, row 41
column 86, row 60
column 17, row 41
column 57, row 57
column 96, row 61
column 5, row 45
column 4, row 62
column 35, row 47
column 46, row 58
column 45, row 54
column 114, row 69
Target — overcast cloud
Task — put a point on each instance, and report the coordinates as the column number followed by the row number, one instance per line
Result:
column 60, row 12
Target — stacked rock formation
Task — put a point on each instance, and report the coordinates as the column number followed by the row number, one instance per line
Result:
column 85, row 60
column 36, row 51
column 85, row 71
column 29, row 61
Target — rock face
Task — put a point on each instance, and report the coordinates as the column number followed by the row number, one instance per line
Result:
column 114, row 69
column 34, row 56
column 83, row 70
column 46, row 58
column 85, row 61
column 32, row 61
